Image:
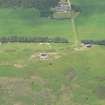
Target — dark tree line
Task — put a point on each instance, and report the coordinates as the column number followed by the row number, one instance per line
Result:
column 43, row 6
column 40, row 4
column 32, row 39
column 94, row 42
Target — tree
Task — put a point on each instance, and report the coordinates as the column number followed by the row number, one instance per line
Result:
column 39, row 4
column 45, row 6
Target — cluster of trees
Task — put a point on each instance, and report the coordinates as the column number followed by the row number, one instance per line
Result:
column 44, row 6
column 41, row 4
column 95, row 42
column 28, row 39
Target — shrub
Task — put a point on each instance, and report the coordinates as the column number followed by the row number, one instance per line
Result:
column 96, row 42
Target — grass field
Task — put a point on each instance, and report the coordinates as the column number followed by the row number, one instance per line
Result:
column 90, row 22
column 68, row 77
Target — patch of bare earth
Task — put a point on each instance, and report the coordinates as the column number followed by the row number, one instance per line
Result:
column 48, row 56
column 19, row 66
column 10, row 50
column 15, row 90
column 12, row 88
column 18, row 103
column 100, row 92
column 33, row 56
column 15, row 86
column 83, row 47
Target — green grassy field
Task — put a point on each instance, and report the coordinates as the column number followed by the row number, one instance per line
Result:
column 68, row 77
column 90, row 22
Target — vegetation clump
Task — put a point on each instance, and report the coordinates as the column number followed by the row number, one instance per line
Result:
column 30, row 39
column 94, row 42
